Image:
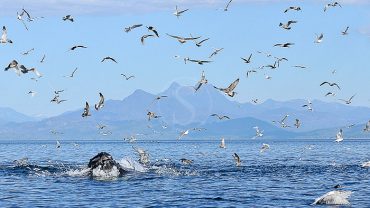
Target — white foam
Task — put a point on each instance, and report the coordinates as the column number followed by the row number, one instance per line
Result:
column 129, row 164
column 365, row 164
column 106, row 174
column 78, row 172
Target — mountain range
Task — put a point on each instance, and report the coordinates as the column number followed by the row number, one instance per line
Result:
column 182, row 108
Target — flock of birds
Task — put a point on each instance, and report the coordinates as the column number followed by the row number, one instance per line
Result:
column 333, row 197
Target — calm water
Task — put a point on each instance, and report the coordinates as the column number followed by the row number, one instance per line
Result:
column 289, row 174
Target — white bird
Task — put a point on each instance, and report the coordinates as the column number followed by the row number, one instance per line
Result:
column 282, row 122
column 366, row 164
column 144, row 156
column 178, row 13
column 32, row 93
column 183, row 133
column 220, row 117
column 73, row 73
column 349, row 101
column 367, row 127
column 222, row 144
column 264, row 147
column 202, row 81
column 101, row 102
column 296, row 8
column 58, row 145
column 339, row 136
column 345, row 31
column 4, row 37
column 230, row 89
column 259, row 133
column 334, row 198
column 215, row 52
column 319, row 38
column 128, row 29
column 68, row 17
column 287, row 26
column 334, row 4
column 237, row 159
column 182, row 39
column 86, row 110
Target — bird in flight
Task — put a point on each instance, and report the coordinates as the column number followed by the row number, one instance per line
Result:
column 250, row 72
column 101, row 102
column 334, row 4
column 152, row 115
column 43, row 59
column 222, row 144
column 319, row 38
column 284, row 45
column 349, row 101
column 128, row 29
column 259, row 133
column 200, row 62
column 345, row 31
column 77, row 46
column 230, row 89
column 220, row 117
column 109, row 58
column 296, row 8
column 178, row 12
column 287, row 26
column 151, row 28
column 127, row 77
column 86, row 110
column 182, row 39
column 4, row 36
column 247, row 60
column 183, row 133
column 367, row 127
column 227, row 5
column 264, row 147
column 199, row 44
column 237, row 159
column 282, row 122
column 297, row 123
column 68, row 17
column 330, row 84
column 73, row 73
column 215, row 52
column 339, row 136
column 142, row 39
column 202, row 81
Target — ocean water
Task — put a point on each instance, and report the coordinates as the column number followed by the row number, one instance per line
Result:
column 292, row 173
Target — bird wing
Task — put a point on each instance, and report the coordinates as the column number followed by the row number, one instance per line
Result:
column 324, row 83
column 192, row 38
column 233, row 85
column 174, row 36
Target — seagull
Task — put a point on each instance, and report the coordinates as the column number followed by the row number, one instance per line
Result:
column 152, row 115
column 237, row 159
column 27, row 52
column 250, row 71
column 200, row 62
column 255, row 101
column 230, row 89
column 271, row 66
column 13, row 65
column 329, row 93
column 144, row 156
column 32, row 93
column 127, row 77
column 319, row 38
column 68, row 17
column 4, row 37
column 267, row 76
column 186, row 161
column 178, row 13
column 308, row 105
column 101, row 102
column 259, row 133
column 367, row 127
column 199, row 44
column 128, row 29
column 86, row 110
column 58, row 145
column 151, row 28
column 349, row 101
column 334, row 198
column 339, row 136
column 296, row 8
column 109, row 58
column 101, row 126
column 77, row 46
column 299, row 66
column 227, row 5
column 330, row 84
column 220, row 117
column 284, row 45
column 42, row 59
column 345, row 32
column 222, row 144
column 297, row 123
column 264, row 147
column 20, row 18
column 334, row 4
column 247, row 60
column 282, row 122
column 56, row 100
column 287, row 26
column 182, row 39
column 202, row 81
column 215, row 52
column 142, row 39
column 183, row 133
column 73, row 73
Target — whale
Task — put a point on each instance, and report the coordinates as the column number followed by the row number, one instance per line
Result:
column 103, row 165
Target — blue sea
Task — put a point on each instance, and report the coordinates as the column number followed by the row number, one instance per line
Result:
column 292, row 173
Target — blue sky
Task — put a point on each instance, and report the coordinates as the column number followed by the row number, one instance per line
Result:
column 248, row 27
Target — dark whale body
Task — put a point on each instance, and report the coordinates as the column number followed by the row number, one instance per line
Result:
column 105, row 162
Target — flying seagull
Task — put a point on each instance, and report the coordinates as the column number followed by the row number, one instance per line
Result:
column 178, row 13
column 199, row 44
column 227, row 5
column 282, row 122
column 151, row 28
column 287, row 26
column 230, row 89
column 215, row 52
column 20, row 18
column 296, row 8
column 42, row 59
column 152, row 115
column 202, row 81
column 222, row 144
column 109, row 58
column 264, row 147
column 345, row 31
column 101, row 102
column 250, row 71
column 299, row 66
column 334, row 4
column 183, row 133
column 127, row 77
column 297, row 123
column 73, row 73
column 68, row 17
column 329, row 93
column 247, row 60
column 4, row 36
column 237, row 159
column 182, row 39
column 200, row 62
column 128, row 29
column 330, row 84
column 284, row 45
column 220, row 117
column 367, row 127
column 349, row 101
column 86, row 110
column 144, row 155
column 339, row 136
column 319, row 38
column 77, row 46
column 142, row 39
